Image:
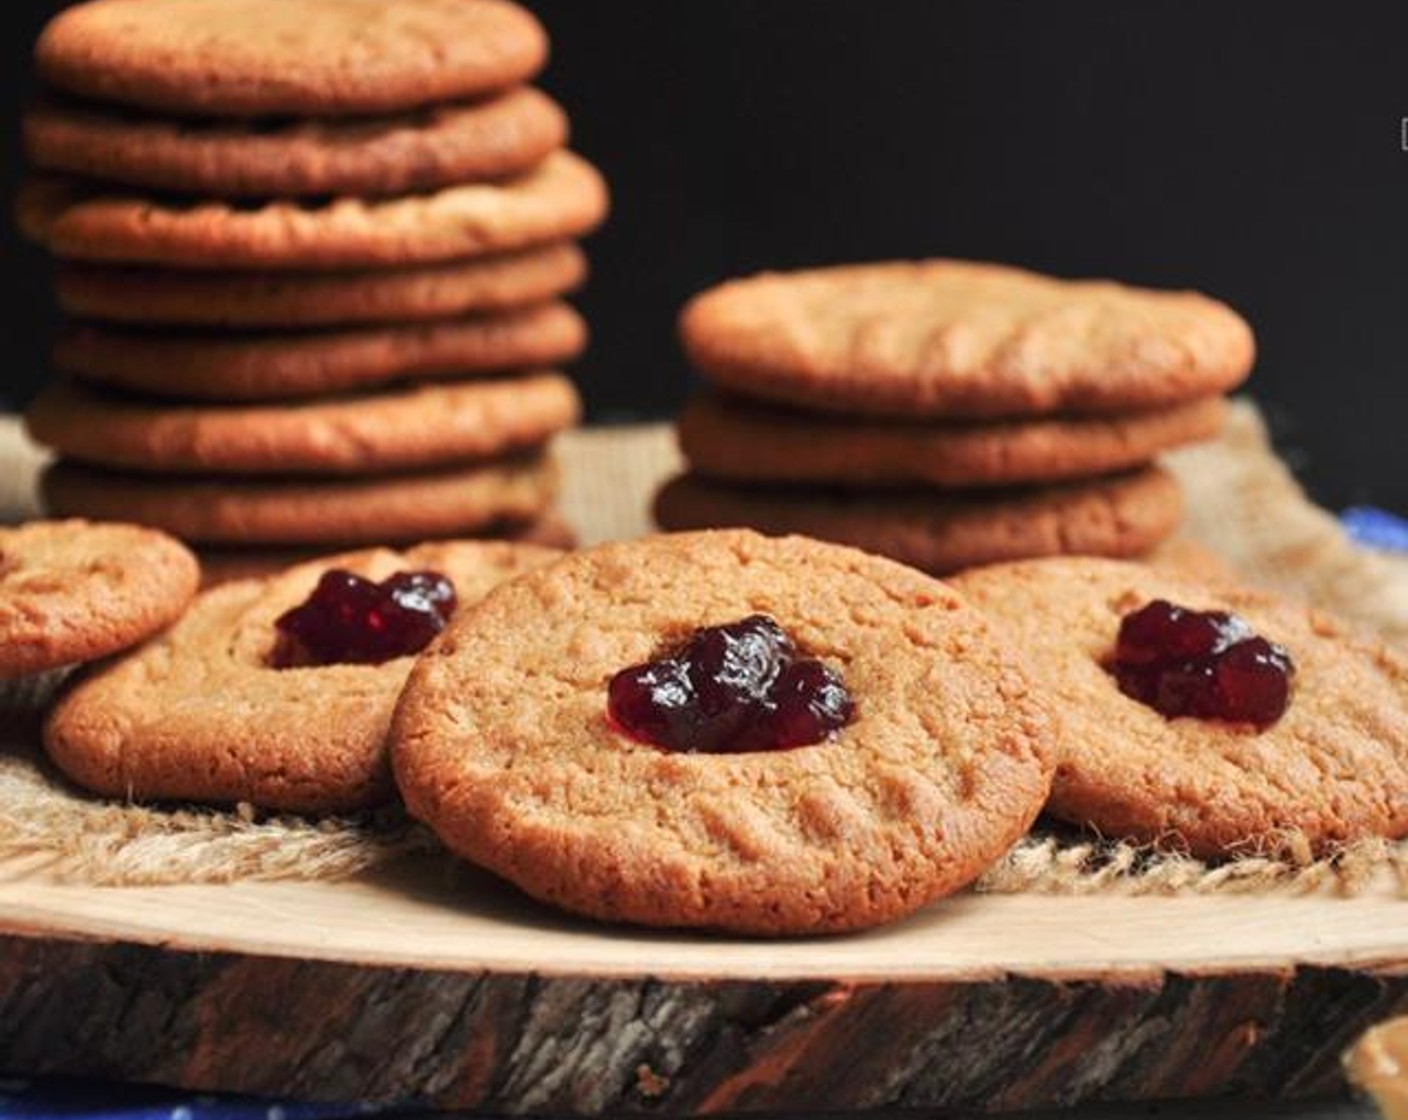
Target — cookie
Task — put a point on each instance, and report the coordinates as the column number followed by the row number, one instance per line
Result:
column 437, row 147
column 226, row 565
column 255, row 58
column 308, row 740
column 733, row 440
column 353, row 511
column 1186, row 557
column 158, row 296
column 955, row 338
column 404, row 429
column 563, row 197
column 1123, row 515
column 73, row 591
column 282, row 364
column 501, row 742
column 1334, row 767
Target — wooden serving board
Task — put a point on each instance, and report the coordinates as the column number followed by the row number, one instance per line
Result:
column 405, row 985
column 437, row 984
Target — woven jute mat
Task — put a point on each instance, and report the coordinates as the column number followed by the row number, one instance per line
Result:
column 1244, row 505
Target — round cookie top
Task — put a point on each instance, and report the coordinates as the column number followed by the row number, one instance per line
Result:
column 73, row 591
column 1334, row 767
column 291, row 57
column 306, row 739
column 402, row 429
column 956, row 338
column 432, row 148
column 501, row 742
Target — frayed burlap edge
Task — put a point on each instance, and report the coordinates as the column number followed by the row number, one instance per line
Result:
column 46, row 829
column 49, row 829
column 1245, row 506
column 1058, row 865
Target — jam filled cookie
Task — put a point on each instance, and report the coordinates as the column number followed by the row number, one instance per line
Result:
column 73, row 591
column 955, row 338
column 1211, row 719
column 276, row 692
column 721, row 730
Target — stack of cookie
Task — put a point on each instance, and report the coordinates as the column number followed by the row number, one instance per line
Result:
column 949, row 414
column 315, row 255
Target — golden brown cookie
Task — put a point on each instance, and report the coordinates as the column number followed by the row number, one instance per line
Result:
column 447, row 502
column 956, row 338
column 135, row 295
column 1184, row 556
column 226, row 565
column 1122, row 515
column 1333, row 768
column 730, row 439
column 437, row 147
column 402, row 429
column 251, row 58
column 502, row 743
column 73, row 591
column 202, row 714
column 563, row 197
column 201, row 365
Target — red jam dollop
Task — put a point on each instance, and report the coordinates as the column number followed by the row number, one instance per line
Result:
column 349, row 619
column 1208, row 664
column 729, row 690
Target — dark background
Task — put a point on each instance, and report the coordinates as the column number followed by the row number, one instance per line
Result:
column 1250, row 149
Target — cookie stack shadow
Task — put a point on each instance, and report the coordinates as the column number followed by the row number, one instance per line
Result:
column 314, row 271
column 948, row 414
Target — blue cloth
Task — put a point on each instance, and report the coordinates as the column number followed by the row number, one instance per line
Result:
column 1376, row 528
column 90, row 1100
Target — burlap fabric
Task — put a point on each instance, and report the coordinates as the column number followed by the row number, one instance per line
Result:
column 1245, row 506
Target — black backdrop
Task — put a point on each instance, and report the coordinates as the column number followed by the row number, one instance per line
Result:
column 1251, row 148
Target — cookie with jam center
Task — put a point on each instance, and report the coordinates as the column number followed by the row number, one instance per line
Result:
column 202, row 713
column 74, row 591
column 1333, row 767
column 504, row 744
